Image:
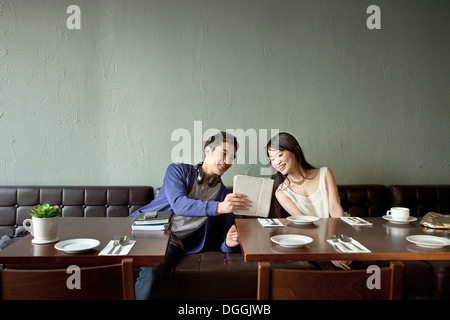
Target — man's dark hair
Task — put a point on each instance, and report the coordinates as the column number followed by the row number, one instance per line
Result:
column 219, row 138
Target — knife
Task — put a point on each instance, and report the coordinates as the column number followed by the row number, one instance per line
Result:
column 345, row 246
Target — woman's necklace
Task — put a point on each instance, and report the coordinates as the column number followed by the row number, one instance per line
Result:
column 299, row 183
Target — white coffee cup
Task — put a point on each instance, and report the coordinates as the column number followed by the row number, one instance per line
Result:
column 398, row 213
column 44, row 230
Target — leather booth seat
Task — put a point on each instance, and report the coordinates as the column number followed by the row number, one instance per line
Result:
column 364, row 200
column 95, row 201
column 421, row 199
column 212, row 275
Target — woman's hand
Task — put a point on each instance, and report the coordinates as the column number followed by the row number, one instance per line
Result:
column 232, row 202
column 343, row 264
column 232, row 239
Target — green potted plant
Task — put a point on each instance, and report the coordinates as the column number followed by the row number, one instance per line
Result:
column 44, row 223
column 45, row 211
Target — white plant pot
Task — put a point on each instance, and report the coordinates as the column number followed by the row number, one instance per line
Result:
column 44, row 230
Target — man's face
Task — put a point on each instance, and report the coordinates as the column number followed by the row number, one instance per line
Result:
column 220, row 159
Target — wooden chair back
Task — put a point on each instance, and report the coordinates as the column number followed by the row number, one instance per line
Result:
column 294, row 284
column 109, row 282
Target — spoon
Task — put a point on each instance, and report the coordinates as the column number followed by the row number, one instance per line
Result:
column 349, row 240
column 123, row 242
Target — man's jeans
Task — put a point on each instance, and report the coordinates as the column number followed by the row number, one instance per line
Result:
column 151, row 279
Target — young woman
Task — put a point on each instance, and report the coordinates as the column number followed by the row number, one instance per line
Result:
column 300, row 188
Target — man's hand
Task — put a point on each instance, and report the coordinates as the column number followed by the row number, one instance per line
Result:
column 233, row 201
column 232, row 239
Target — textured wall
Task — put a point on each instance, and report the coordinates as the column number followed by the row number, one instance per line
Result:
column 99, row 105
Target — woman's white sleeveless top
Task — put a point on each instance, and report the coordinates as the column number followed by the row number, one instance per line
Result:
column 314, row 205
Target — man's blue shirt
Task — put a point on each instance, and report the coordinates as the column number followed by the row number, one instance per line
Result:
column 178, row 183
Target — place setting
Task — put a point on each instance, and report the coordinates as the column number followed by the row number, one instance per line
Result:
column 120, row 246
column 77, row 245
column 428, row 241
column 356, row 221
column 302, row 221
column 270, row 223
column 347, row 244
column 291, row 240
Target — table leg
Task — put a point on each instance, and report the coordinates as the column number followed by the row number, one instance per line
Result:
column 263, row 280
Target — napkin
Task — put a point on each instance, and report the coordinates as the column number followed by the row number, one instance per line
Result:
column 341, row 246
column 270, row 223
column 356, row 221
column 125, row 249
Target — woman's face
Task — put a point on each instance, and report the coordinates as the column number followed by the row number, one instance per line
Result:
column 283, row 161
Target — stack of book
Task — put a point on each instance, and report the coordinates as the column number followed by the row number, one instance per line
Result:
column 152, row 221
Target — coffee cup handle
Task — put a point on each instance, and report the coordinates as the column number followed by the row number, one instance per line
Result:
column 389, row 213
column 28, row 225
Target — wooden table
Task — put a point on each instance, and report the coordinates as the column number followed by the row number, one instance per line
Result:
column 149, row 249
column 386, row 241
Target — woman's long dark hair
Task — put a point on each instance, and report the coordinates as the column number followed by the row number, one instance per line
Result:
column 285, row 142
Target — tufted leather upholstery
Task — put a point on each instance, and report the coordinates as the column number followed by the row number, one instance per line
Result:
column 364, row 200
column 421, row 199
column 95, row 201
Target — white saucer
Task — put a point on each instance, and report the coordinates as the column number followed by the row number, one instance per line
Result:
column 35, row 241
column 391, row 220
column 302, row 219
column 291, row 240
column 426, row 241
column 77, row 245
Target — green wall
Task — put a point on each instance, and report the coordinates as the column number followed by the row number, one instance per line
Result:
column 98, row 106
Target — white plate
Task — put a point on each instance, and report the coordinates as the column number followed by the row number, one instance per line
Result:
column 291, row 240
column 302, row 219
column 428, row 241
column 391, row 220
column 77, row 245
column 35, row 241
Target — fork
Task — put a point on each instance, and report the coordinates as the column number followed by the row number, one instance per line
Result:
column 337, row 243
column 115, row 244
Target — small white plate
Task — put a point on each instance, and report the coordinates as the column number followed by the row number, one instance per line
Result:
column 291, row 240
column 391, row 220
column 35, row 241
column 302, row 219
column 77, row 245
column 428, row 241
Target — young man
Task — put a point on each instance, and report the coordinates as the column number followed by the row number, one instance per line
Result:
column 203, row 210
